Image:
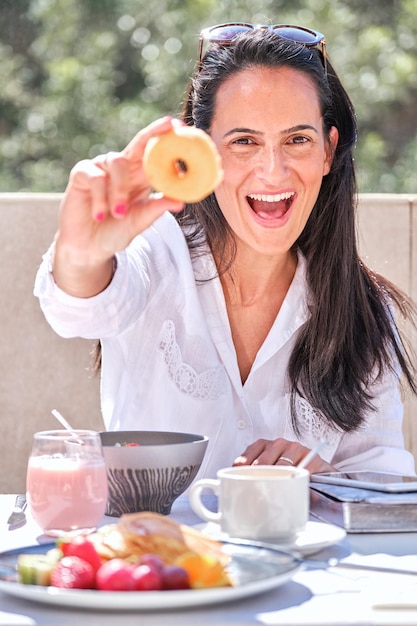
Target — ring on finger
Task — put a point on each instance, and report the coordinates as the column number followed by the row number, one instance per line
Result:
column 286, row 458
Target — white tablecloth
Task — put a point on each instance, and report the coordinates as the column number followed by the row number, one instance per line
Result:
column 314, row 597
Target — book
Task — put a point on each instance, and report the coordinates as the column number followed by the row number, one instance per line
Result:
column 363, row 510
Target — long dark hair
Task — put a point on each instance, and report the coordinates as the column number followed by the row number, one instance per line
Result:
column 351, row 337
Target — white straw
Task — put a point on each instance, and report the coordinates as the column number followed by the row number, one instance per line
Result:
column 61, row 419
column 306, row 460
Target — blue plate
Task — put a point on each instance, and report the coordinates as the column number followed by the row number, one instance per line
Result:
column 253, row 569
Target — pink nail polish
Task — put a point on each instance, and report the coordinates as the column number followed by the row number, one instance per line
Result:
column 120, row 209
column 100, row 217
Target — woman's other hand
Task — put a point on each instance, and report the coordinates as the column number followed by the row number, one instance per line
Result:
column 107, row 202
column 281, row 452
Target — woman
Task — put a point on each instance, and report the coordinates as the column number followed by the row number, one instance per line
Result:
column 249, row 316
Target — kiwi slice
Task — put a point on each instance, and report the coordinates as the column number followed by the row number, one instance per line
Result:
column 35, row 569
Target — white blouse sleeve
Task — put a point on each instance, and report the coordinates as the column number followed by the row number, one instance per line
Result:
column 89, row 318
column 379, row 444
column 151, row 264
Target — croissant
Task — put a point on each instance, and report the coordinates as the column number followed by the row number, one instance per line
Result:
column 137, row 534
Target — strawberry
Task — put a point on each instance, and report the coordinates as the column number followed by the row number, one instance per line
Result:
column 115, row 575
column 82, row 547
column 73, row 573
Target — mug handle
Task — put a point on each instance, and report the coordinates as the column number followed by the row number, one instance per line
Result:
column 195, row 498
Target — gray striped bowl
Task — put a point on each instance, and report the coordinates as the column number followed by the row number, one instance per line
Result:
column 150, row 476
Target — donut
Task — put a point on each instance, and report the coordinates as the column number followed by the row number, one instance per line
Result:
column 183, row 164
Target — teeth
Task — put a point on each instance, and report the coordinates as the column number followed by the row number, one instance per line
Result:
column 277, row 197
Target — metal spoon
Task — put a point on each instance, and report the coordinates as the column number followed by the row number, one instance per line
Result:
column 321, row 563
column 18, row 515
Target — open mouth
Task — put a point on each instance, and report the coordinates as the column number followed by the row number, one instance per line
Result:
column 271, row 206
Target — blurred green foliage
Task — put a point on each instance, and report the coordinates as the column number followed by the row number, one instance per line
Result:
column 80, row 77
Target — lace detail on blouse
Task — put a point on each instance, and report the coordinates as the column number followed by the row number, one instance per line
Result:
column 312, row 423
column 208, row 385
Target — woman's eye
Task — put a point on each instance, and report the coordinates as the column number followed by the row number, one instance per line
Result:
column 244, row 141
column 299, row 139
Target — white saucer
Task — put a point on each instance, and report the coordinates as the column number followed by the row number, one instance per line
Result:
column 315, row 537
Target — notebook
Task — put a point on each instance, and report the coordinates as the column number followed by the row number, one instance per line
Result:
column 363, row 510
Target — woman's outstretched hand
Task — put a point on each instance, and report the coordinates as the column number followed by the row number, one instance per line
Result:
column 281, row 452
column 107, row 202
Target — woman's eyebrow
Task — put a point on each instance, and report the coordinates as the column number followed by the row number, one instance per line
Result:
column 287, row 131
column 249, row 131
column 296, row 129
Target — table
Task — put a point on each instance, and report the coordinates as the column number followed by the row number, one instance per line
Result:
column 316, row 596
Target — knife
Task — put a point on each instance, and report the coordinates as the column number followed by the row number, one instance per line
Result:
column 18, row 515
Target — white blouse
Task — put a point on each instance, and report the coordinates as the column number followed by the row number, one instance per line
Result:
column 169, row 361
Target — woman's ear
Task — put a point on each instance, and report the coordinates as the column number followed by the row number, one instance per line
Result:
column 330, row 149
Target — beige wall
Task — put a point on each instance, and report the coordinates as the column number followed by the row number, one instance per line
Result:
column 40, row 371
column 387, row 227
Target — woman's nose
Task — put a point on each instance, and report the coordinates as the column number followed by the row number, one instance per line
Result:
column 272, row 165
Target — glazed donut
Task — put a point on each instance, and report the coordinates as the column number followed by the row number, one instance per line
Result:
column 183, row 164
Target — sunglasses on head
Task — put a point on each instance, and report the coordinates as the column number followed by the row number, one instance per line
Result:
column 225, row 34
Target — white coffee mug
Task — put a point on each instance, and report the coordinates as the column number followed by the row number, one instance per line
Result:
column 260, row 502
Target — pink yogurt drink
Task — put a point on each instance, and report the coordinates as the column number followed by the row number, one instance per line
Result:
column 66, row 493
